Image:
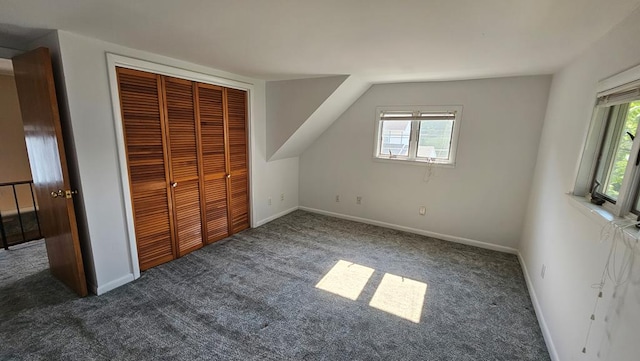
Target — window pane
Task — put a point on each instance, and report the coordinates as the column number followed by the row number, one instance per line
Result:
column 617, row 148
column 435, row 139
column 606, row 156
column 395, row 138
column 634, row 113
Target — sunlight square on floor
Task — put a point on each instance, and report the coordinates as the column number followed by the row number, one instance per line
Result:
column 400, row 296
column 346, row 279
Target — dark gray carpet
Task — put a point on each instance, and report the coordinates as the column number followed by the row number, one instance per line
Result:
column 253, row 297
column 22, row 261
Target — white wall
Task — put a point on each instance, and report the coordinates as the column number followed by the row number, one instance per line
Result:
column 483, row 198
column 90, row 108
column 51, row 41
column 558, row 235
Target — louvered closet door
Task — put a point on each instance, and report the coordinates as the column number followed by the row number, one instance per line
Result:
column 142, row 116
column 238, row 160
column 211, row 116
column 185, row 170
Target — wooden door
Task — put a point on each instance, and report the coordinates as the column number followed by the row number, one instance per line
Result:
column 184, row 143
column 147, row 161
column 45, row 146
column 236, row 109
column 188, row 165
column 210, row 111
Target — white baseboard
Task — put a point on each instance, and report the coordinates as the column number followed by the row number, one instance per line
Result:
column 467, row 241
column 536, row 306
column 112, row 285
column 275, row 216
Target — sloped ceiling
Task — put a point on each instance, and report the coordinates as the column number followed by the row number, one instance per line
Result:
column 291, row 102
column 405, row 40
column 372, row 41
column 299, row 111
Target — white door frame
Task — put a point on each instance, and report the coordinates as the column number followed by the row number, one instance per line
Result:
column 113, row 61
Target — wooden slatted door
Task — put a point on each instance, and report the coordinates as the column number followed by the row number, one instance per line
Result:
column 145, row 139
column 186, row 146
column 211, row 114
column 236, row 102
column 184, row 139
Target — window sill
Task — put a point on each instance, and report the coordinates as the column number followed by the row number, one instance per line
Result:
column 413, row 162
column 600, row 214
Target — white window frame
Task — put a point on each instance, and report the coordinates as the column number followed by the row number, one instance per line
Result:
column 592, row 147
column 414, row 135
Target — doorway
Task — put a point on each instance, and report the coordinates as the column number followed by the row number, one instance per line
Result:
column 52, row 194
column 22, row 250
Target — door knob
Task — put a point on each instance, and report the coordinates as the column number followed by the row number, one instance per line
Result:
column 174, row 184
column 63, row 194
column 228, row 175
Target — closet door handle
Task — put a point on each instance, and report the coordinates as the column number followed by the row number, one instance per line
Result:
column 174, row 184
column 228, row 176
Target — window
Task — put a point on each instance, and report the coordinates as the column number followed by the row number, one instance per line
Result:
column 417, row 134
column 621, row 128
column 612, row 153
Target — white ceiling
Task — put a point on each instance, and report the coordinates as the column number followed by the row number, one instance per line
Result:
column 383, row 40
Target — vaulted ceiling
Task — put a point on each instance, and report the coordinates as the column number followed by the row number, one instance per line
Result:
column 383, row 40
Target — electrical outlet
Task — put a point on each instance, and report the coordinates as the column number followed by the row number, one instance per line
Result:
column 359, row 200
column 337, row 198
column 422, row 211
column 269, row 200
column 281, row 197
column 543, row 271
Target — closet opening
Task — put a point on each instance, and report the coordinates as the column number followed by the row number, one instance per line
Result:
column 184, row 146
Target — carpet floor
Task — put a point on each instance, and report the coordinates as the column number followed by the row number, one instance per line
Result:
column 253, row 296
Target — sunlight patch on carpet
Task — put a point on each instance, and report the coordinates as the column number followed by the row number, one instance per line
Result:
column 400, row 296
column 346, row 279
